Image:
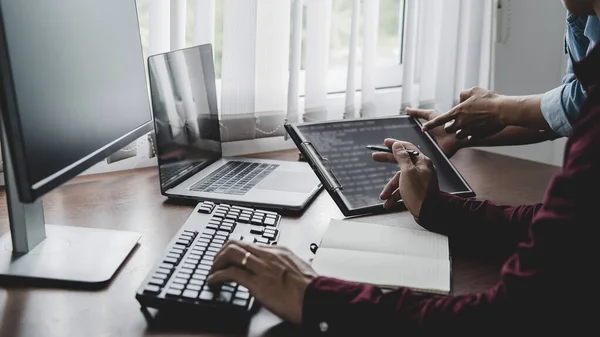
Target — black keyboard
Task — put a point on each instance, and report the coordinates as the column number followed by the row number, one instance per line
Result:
column 178, row 280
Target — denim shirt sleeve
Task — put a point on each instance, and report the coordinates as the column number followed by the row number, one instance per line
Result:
column 561, row 105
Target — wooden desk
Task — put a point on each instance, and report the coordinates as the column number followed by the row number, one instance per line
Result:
column 131, row 201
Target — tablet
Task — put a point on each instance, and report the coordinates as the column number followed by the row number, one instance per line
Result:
column 337, row 153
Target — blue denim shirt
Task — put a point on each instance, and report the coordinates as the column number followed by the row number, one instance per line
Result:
column 560, row 106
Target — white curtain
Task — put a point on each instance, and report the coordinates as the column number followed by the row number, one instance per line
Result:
column 447, row 49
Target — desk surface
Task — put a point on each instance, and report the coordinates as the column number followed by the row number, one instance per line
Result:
column 131, row 200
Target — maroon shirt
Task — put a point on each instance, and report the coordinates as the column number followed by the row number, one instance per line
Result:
column 547, row 282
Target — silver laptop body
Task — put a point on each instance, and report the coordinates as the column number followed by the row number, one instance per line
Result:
column 188, row 142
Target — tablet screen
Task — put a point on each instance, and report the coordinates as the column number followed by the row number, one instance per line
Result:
column 343, row 145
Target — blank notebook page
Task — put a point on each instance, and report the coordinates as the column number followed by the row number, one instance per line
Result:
column 385, row 255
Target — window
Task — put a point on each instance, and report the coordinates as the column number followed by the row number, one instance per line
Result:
column 389, row 51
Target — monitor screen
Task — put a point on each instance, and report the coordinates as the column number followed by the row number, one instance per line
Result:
column 74, row 86
column 184, row 104
column 342, row 144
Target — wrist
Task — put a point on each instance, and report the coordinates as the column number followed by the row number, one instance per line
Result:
column 508, row 110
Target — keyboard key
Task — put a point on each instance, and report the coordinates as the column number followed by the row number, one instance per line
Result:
column 227, row 228
column 261, row 240
column 206, row 236
column 219, row 214
column 187, row 270
column 171, row 260
column 239, row 302
column 206, row 262
column 209, row 231
column 219, row 241
column 213, row 254
column 197, row 282
column 212, row 226
column 187, row 231
column 270, row 236
column 209, row 258
column 180, row 247
column 231, row 284
column 180, row 280
column 186, row 236
column 173, row 293
column 270, row 221
column 244, row 219
column 213, row 249
column 259, row 214
column 176, row 286
column 166, row 266
column 189, row 265
column 205, row 209
column 152, row 289
column 241, row 288
column 184, row 275
column 242, row 295
column 194, row 287
column 193, row 255
column 227, row 288
column 224, row 296
column 200, row 274
column 157, row 281
column 231, row 216
column 204, row 240
column 256, row 230
column 176, row 251
column 207, row 295
column 228, row 222
column 174, row 256
column 190, row 294
column 203, row 267
column 192, row 260
column 256, row 221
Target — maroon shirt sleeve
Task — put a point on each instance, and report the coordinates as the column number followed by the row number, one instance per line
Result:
column 541, row 283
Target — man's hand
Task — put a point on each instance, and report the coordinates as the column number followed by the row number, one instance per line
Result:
column 447, row 142
column 416, row 179
column 274, row 275
column 479, row 115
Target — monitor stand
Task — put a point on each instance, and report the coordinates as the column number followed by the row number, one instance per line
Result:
column 67, row 256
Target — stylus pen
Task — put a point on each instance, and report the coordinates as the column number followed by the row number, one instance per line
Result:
column 380, row 148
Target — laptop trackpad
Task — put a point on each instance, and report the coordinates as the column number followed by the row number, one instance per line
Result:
column 288, row 181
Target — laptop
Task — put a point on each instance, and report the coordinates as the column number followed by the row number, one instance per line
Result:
column 188, row 142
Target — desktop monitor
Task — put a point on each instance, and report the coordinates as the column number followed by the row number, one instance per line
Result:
column 72, row 92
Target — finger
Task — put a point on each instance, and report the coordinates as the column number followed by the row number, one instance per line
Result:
column 402, row 157
column 421, row 113
column 390, row 187
column 452, row 127
column 235, row 274
column 232, row 255
column 408, row 146
column 439, row 120
column 392, row 200
column 383, row 157
column 389, row 142
column 424, row 163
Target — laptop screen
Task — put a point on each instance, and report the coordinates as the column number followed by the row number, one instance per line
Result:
column 184, row 104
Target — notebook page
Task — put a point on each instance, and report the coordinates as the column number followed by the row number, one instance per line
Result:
column 384, row 270
column 343, row 234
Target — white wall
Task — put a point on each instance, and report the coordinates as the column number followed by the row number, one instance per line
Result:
column 531, row 60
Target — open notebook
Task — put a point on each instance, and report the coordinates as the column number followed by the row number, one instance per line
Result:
column 385, row 256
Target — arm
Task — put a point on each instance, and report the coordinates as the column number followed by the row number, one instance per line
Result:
column 474, row 225
column 513, row 135
column 538, row 284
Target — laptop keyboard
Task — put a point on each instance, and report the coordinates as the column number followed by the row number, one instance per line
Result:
column 234, row 178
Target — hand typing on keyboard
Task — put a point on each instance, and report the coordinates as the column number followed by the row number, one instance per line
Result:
column 274, row 275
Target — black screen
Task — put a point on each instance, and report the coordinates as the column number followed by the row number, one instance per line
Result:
column 186, row 120
column 78, row 82
column 343, row 145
